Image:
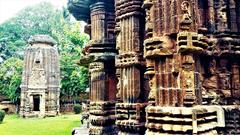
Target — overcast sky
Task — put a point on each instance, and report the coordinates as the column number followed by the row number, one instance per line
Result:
column 8, row 8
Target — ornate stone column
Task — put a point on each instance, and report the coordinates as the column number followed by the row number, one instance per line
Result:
column 100, row 53
column 132, row 91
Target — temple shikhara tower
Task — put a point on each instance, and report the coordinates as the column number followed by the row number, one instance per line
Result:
column 162, row 66
column 40, row 88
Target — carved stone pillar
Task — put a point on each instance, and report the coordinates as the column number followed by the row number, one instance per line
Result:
column 103, row 80
column 130, row 66
column 100, row 57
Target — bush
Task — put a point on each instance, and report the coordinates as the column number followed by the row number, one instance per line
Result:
column 77, row 109
column 2, row 115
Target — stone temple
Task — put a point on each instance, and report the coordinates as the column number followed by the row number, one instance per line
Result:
column 162, row 66
column 40, row 88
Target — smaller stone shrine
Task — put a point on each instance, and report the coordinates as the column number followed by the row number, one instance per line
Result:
column 40, row 87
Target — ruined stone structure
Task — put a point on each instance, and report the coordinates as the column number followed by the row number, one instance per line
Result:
column 177, row 64
column 40, row 88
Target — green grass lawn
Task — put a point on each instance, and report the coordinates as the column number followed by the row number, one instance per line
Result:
column 60, row 125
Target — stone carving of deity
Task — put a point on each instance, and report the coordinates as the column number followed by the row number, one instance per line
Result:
column 210, row 83
column 223, row 18
column 222, row 15
column 185, row 6
column 212, row 67
column 224, row 79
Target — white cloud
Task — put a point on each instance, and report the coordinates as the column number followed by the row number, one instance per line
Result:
column 8, row 8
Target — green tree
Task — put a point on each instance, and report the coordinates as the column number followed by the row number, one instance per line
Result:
column 15, row 32
column 10, row 78
column 74, row 77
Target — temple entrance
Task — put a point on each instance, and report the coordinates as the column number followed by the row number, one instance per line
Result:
column 36, row 103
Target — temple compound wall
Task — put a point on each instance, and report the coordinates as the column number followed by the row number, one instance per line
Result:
column 40, row 87
column 176, row 65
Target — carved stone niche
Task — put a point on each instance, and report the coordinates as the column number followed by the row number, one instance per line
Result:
column 40, row 87
column 224, row 86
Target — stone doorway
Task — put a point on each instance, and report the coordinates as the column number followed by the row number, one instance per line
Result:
column 36, row 103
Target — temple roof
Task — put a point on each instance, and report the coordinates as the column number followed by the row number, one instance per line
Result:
column 42, row 39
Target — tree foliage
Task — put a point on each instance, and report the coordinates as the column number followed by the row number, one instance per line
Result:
column 15, row 32
column 74, row 77
column 10, row 77
column 42, row 19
